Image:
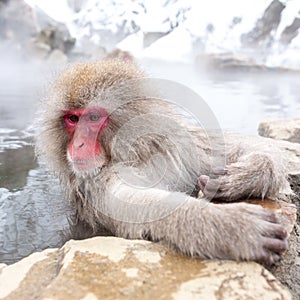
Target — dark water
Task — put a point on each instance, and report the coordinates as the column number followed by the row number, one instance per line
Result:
column 33, row 213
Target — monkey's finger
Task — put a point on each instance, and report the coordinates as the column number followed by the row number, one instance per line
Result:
column 202, row 181
column 270, row 259
column 275, row 245
column 220, row 171
column 213, row 186
column 270, row 216
column 277, row 231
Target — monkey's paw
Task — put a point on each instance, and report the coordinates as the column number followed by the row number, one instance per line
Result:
column 235, row 182
column 251, row 232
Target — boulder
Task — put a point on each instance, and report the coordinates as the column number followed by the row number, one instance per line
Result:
column 115, row 268
column 290, row 32
column 57, row 57
column 76, row 5
column 282, row 129
column 262, row 34
column 31, row 31
column 56, row 37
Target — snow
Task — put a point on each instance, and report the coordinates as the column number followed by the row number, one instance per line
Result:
column 194, row 26
column 56, row 9
column 175, row 46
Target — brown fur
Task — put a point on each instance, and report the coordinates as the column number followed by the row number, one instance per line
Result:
column 166, row 162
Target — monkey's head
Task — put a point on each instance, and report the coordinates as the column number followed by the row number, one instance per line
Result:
column 84, row 108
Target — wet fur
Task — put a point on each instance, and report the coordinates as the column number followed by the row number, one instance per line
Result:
column 196, row 227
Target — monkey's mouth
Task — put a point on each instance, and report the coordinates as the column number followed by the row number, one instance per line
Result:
column 85, row 164
column 86, row 168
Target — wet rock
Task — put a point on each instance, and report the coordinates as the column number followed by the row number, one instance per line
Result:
column 151, row 37
column 236, row 63
column 288, row 271
column 262, row 34
column 32, row 32
column 114, row 268
column 57, row 57
column 38, row 50
column 284, row 129
column 227, row 62
column 57, row 37
column 76, row 5
column 290, row 32
column 17, row 21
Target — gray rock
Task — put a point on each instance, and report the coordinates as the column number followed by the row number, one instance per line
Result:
column 17, row 21
column 151, row 37
column 290, row 32
column 236, row 63
column 262, row 34
column 283, row 129
column 32, row 31
column 57, row 57
column 288, row 271
column 37, row 50
column 57, row 37
column 114, row 268
column 76, row 5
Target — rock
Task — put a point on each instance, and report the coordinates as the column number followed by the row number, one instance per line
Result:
column 115, row 268
column 288, row 271
column 37, row 50
column 31, row 31
column 233, row 62
column 284, row 129
column 286, row 212
column 57, row 37
column 17, row 21
column 57, row 57
column 151, row 37
column 227, row 62
column 76, row 5
column 262, row 34
column 290, row 32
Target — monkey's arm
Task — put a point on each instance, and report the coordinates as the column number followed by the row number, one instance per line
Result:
column 229, row 231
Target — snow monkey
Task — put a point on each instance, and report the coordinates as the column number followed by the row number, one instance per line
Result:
column 129, row 162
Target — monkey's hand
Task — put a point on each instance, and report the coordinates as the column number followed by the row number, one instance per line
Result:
column 236, row 231
column 256, row 175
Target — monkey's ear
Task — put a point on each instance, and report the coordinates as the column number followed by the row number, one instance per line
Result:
column 120, row 55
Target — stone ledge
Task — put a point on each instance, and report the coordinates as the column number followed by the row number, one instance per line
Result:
column 115, row 268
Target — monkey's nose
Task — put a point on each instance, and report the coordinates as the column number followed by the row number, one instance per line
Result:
column 78, row 144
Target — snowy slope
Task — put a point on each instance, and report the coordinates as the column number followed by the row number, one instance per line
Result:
column 190, row 27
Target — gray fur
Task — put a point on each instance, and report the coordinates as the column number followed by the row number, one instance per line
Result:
column 152, row 162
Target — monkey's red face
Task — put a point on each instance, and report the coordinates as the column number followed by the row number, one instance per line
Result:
column 84, row 127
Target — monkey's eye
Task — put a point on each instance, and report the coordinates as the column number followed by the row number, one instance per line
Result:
column 94, row 118
column 74, row 118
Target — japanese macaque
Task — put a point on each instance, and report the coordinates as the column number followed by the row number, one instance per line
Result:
column 130, row 161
